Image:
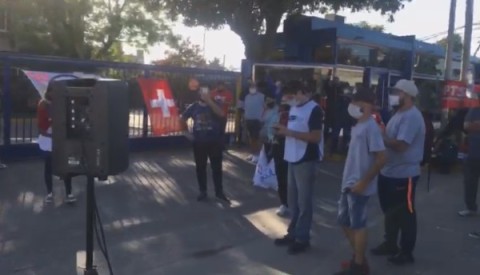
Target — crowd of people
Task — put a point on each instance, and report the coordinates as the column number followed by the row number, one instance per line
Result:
column 289, row 125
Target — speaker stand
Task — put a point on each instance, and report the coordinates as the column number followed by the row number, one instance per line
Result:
column 89, row 268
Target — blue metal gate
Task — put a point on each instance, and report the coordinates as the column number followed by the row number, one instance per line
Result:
column 19, row 98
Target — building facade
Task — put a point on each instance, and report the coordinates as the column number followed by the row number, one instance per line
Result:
column 326, row 48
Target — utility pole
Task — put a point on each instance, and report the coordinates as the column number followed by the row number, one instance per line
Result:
column 467, row 44
column 451, row 33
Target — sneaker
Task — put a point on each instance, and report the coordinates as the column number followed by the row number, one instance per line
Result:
column 284, row 241
column 475, row 235
column 71, row 199
column 49, row 198
column 223, row 198
column 282, row 211
column 254, row 160
column 402, row 258
column 249, row 158
column 298, row 247
column 345, row 265
column 202, row 197
column 467, row 213
column 384, row 250
column 3, row 165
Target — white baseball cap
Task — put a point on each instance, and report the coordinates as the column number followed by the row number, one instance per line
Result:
column 407, row 86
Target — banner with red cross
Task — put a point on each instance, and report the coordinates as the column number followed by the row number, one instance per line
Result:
column 162, row 110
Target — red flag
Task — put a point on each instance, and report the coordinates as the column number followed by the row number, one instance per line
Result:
column 456, row 95
column 163, row 112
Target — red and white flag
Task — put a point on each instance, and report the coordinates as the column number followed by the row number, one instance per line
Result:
column 457, row 94
column 162, row 111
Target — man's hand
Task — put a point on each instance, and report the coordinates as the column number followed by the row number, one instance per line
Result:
column 281, row 130
column 359, row 187
column 206, row 97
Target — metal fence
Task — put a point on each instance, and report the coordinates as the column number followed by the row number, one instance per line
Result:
column 19, row 98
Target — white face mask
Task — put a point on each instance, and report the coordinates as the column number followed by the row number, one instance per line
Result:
column 394, row 100
column 252, row 90
column 355, row 111
column 292, row 102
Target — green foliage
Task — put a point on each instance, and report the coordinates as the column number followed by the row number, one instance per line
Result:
column 83, row 28
column 457, row 43
column 368, row 26
column 184, row 53
column 248, row 18
column 429, row 98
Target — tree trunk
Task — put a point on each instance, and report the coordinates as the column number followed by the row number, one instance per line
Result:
column 258, row 47
column 272, row 22
column 253, row 48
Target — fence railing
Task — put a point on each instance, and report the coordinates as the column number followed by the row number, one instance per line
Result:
column 19, row 98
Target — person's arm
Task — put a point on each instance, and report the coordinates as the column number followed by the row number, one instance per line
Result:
column 217, row 110
column 471, row 125
column 315, row 124
column 187, row 114
column 396, row 145
column 377, row 148
column 407, row 132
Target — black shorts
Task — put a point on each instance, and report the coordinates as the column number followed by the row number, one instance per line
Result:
column 253, row 127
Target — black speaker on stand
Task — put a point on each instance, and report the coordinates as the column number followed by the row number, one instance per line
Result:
column 90, row 137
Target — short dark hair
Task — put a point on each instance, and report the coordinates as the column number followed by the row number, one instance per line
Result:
column 364, row 95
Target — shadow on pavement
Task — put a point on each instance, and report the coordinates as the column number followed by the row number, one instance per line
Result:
column 154, row 225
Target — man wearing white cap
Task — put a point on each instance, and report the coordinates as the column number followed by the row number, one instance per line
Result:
column 404, row 139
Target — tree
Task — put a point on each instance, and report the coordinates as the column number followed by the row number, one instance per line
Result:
column 82, row 28
column 249, row 18
column 216, row 64
column 184, row 53
column 368, row 26
column 457, row 43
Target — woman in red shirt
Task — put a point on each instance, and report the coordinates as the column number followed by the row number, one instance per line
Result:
column 44, row 121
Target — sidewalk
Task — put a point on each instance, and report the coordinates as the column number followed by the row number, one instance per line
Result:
column 153, row 224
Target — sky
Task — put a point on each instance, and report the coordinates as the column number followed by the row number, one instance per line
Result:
column 419, row 17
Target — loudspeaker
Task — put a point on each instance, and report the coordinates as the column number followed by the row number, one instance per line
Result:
column 90, row 127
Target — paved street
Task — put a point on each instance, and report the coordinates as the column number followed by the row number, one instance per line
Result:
column 154, row 225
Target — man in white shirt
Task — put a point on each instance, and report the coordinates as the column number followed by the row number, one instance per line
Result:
column 303, row 150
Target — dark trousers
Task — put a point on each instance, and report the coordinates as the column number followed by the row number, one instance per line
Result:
column 48, row 176
column 471, row 176
column 224, row 135
column 202, row 152
column 335, row 138
column 281, row 170
column 397, row 200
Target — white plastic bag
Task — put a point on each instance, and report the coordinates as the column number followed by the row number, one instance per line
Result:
column 265, row 175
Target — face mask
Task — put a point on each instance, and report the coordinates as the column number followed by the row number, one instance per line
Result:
column 292, row 103
column 253, row 90
column 394, row 100
column 355, row 111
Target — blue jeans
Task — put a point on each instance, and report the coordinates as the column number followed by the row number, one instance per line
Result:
column 301, row 178
column 352, row 211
